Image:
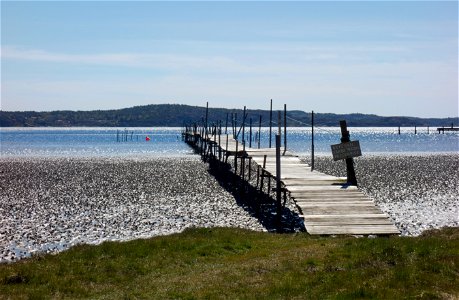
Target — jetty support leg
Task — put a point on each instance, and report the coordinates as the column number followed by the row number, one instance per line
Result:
column 345, row 137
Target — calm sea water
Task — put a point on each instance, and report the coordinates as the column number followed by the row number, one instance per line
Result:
column 105, row 142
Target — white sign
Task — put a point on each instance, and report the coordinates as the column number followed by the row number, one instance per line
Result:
column 346, row 150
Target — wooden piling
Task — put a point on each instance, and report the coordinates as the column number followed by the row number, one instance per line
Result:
column 285, row 128
column 312, row 141
column 270, row 121
column 250, row 169
column 243, row 161
column 235, row 125
column 207, row 118
column 235, row 158
column 259, row 133
column 258, row 175
column 243, row 126
column 345, row 137
column 279, row 123
column 278, row 182
column 250, row 134
column 219, row 141
column 232, row 123
column 263, row 173
column 226, row 149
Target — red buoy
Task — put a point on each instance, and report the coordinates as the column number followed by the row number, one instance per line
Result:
column 147, row 138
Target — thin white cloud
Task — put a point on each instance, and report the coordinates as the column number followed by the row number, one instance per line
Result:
column 159, row 61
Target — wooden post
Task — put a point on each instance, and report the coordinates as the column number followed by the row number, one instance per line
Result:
column 399, row 130
column 250, row 134
column 226, row 125
column 235, row 158
column 345, row 137
column 250, row 169
column 258, row 175
column 312, row 141
column 263, row 173
column 415, row 130
column 270, row 121
column 285, row 128
column 200, row 138
column 220, row 141
column 278, row 183
column 243, row 126
column 232, row 123
column 279, row 123
column 235, row 125
column 428, row 130
column 226, row 152
column 207, row 116
column 259, row 133
column 243, row 161
column 215, row 141
column 269, row 185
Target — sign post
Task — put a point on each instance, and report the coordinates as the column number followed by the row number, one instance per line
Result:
column 347, row 150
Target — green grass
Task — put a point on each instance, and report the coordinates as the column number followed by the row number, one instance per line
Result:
column 240, row 264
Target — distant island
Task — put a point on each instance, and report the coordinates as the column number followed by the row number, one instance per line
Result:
column 176, row 115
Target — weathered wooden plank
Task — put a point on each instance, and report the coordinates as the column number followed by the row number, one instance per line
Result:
column 313, row 181
column 349, row 216
column 340, row 222
column 340, row 211
column 306, row 188
column 289, row 164
column 337, row 206
column 341, row 202
column 325, row 194
column 331, row 200
column 352, row 229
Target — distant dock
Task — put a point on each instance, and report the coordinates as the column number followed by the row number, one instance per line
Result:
column 447, row 129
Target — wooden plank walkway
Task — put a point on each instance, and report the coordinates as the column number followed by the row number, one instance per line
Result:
column 328, row 205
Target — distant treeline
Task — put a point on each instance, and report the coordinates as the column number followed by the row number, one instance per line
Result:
column 175, row 115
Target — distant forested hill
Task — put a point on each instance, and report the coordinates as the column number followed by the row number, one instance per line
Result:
column 177, row 115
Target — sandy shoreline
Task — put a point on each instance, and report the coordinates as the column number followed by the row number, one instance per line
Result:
column 51, row 204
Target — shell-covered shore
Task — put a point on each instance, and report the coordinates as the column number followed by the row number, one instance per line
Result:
column 48, row 205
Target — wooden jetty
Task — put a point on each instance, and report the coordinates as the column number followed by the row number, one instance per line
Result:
column 444, row 129
column 329, row 205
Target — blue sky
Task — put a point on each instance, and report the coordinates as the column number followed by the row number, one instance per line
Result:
column 382, row 57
